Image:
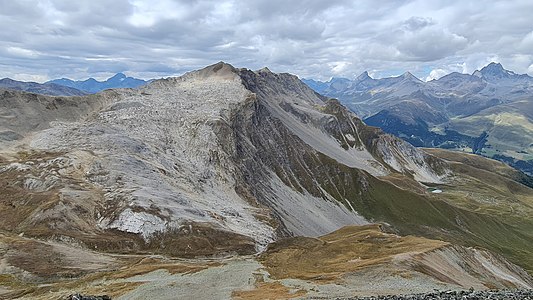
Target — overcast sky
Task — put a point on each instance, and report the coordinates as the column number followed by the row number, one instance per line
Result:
column 318, row 39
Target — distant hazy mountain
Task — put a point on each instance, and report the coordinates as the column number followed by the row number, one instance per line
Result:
column 92, row 85
column 489, row 112
column 50, row 89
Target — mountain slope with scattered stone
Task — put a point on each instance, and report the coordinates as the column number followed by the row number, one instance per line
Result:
column 225, row 161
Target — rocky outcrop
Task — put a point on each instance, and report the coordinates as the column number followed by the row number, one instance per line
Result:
column 87, row 297
column 458, row 295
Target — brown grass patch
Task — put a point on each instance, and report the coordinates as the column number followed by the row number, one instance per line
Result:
column 348, row 249
column 150, row 264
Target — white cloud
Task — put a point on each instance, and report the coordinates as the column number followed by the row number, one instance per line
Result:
column 148, row 13
column 317, row 39
column 436, row 74
column 21, row 52
column 339, row 67
column 527, row 42
column 31, row 77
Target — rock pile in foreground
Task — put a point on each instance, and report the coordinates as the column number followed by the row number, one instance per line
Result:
column 459, row 295
column 87, row 297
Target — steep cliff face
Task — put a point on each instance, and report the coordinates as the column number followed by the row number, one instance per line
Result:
column 292, row 148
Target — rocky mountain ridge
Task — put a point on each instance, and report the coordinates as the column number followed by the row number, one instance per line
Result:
column 226, row 161
column 183, row 168
column 50, row 89
column 92, row 85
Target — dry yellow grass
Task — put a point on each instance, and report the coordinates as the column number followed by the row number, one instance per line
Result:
column 346, row 250
column 150, row 264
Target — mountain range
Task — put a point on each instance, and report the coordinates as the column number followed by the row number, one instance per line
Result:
column 228, row 183
column 67, row 87
column 92, row 85
column 489, row 112
column 50, row 89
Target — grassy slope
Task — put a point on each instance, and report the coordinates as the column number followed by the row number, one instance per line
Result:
column 452, row 217
column 410, row 211
column 457, row 215
column 509, row 127
column 446, row 219
column 346, row 250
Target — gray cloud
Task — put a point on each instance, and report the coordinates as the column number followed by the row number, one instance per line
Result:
column 417, row 23
column 318, row 39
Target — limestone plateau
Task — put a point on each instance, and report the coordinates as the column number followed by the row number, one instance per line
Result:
column 231, row 183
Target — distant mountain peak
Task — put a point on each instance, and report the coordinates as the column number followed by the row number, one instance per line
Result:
column 493, row 68
column 49, row 88
column 118, row 76
column 339, row 79
column 264, row 70
column 410, row 76
column 91, row 85
column 363, row 76
column 495, row 71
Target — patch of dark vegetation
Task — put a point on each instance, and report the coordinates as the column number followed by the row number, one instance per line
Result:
column 419, row 135
column 525, row 166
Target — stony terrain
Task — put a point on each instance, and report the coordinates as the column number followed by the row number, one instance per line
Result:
column 180, row 154
column 211, row 178
column 456, row 295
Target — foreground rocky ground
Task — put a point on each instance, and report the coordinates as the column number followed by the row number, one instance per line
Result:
column 463, row 295
column 440, row 295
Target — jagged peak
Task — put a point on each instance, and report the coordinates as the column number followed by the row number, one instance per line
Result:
column 363, row 76
column 493, row 66
column 119, row 75
column 493, row 69
column 264, row 70
column 409, row 75
column 221, row 65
